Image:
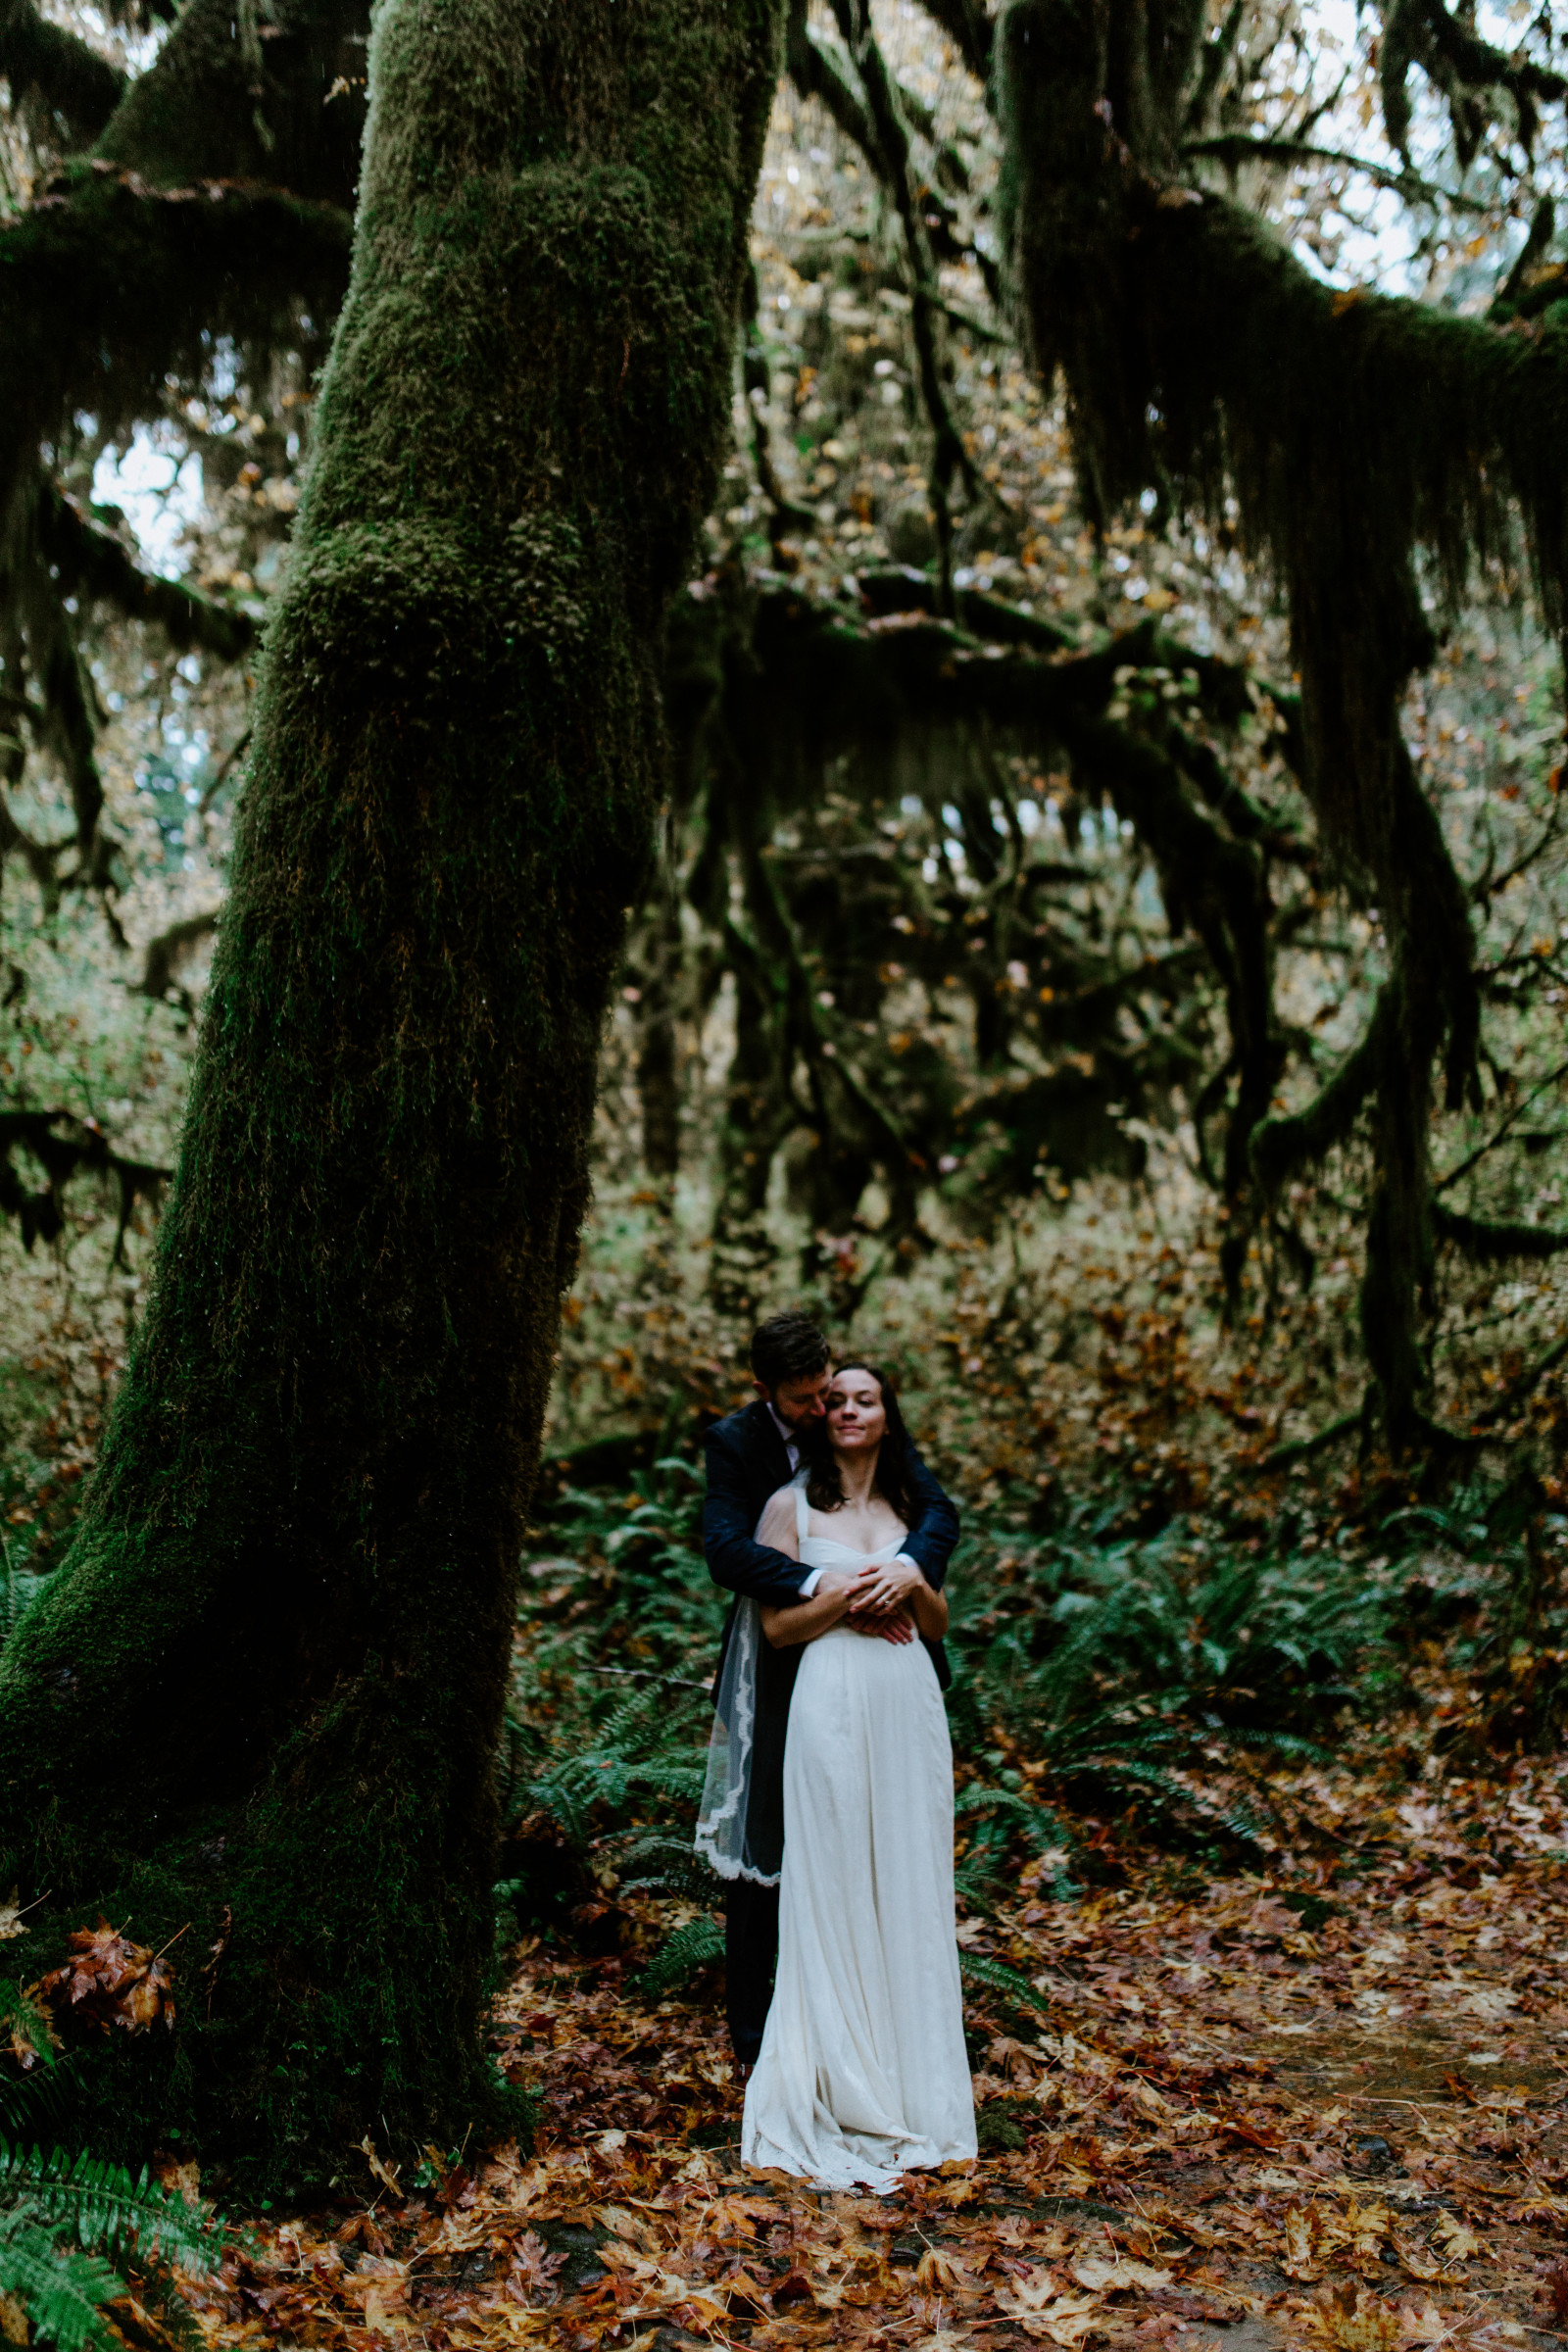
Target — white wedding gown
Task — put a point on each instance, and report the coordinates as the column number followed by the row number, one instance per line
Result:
column 862, row 2073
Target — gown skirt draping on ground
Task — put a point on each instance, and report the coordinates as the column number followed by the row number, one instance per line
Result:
column 863, row 2073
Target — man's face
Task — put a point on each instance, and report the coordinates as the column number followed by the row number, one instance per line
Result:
column 799, row 1401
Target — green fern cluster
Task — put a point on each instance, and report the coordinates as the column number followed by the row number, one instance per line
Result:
column 77, row 2233
column 591, row 1777
column 71, row 2228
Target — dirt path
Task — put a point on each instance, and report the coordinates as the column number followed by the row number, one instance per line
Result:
column 1282, row 2113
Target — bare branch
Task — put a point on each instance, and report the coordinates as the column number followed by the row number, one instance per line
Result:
column 225, row 769
column 1236, row 149
column 168, row 950
column 1553, row 1078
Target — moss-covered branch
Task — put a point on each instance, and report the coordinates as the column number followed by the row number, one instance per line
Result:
column 41, row 60
column 40, row 858
column 970, row 28
column 223, row 102
column 890, row 155
column 167, row 950
column 1465, row 67
column 1238, row 149
column 63, row 1147
column 89, row 562
column 1281, row 1147
column 1495, row 1240
column 107, row 289
column 815, row 75
column 64, row 717
column 1357, row 433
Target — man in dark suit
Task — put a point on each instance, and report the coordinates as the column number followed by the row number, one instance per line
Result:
column 751, row 1454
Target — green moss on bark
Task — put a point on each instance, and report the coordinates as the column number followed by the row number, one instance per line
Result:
column 107, row 289
column 43, row 62
column 290, row 1600
column 225, row 103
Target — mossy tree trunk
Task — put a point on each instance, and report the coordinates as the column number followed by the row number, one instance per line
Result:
column 262, row 1694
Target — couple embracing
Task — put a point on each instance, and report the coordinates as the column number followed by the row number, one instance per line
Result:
column 828, row 1804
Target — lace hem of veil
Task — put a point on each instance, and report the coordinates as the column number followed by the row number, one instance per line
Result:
column 722, row 1815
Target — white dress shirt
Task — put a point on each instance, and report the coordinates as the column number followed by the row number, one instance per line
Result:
column 792, row 1449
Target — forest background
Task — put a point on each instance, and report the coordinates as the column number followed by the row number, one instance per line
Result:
column 935, row 1014
column 998, row 991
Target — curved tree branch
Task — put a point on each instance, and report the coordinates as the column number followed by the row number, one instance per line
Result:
column 41, row 60
column 93, row 564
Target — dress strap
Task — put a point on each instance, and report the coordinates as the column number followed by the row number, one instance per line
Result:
column 802, row 1510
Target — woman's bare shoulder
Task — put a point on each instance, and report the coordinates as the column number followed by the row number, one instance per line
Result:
column 777, row 1523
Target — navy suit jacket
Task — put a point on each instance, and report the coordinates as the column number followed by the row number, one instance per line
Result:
column 747, row 1462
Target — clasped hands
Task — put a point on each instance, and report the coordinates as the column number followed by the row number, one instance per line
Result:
column 879, row 1598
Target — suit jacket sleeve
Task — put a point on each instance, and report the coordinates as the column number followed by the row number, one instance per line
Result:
column 735, row 1558
column 936, row 1525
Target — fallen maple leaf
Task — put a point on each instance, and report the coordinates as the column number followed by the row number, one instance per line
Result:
column 937, row 2272
column 1428, row 2326
column 1350, row 2319
column 1416, row 2262
column 533, row 2268
column 382, row 2314
column 109, row 1982
column 11, row 1920
column 1303, row 2244
column 1554, row 2288
column 1102, row 2275
column 1028, row 2292
column 385, row 2174
column 1459, row 2241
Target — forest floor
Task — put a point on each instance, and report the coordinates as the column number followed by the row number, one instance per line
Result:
column 1324, row 2108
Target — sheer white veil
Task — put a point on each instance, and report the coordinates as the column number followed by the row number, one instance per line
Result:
column 727, row 1789
column 725, row 1810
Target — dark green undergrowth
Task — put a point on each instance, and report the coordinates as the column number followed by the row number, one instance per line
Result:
column 1110, row 1694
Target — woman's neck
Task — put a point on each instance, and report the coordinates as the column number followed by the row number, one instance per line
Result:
column 856, row 1474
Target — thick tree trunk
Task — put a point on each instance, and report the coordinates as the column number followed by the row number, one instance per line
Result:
column 263, row 1692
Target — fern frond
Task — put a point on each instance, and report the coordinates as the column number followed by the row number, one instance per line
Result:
column 1280, row 1743
column 998, row 1976
column 102, row 2205
column 1040, row 1824
column 60, row 2289
column 25, row 2017
column 694, row 1947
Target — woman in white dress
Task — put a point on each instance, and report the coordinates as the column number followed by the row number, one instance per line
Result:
column 862, row 2073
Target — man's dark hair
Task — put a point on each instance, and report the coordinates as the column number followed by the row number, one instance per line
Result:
column 788, row 1346
column 824, row 1483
